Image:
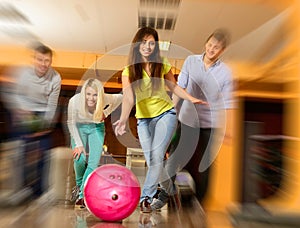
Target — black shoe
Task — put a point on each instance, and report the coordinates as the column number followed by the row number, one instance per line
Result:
column 145, row 206
column 80, row 204
column 75, row 193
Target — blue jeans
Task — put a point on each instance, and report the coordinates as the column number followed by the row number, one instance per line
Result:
column 155, row 135
column 92, row 137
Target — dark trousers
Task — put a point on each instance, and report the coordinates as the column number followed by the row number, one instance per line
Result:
column 37, row 163
column 35, row 156
column 190, row 147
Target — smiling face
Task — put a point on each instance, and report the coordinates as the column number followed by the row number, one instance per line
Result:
column 213, row 49
column 41, row 63
column 147, row 46
column 91, row 96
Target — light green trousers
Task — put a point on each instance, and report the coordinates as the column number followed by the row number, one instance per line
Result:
column 92, row 137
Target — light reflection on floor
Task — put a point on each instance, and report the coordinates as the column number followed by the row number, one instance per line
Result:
column 45, row 213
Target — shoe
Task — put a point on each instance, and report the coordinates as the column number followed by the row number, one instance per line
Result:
column 157, row 204
column 75, row 193
column 80, row 204
column 175, row 202
column 145, row 206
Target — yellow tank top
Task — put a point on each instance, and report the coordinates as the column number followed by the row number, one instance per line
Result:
column 149, row 102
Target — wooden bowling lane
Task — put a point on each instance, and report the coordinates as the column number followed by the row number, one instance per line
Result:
column 191, row 216
column 52, row 210
column 40, row 214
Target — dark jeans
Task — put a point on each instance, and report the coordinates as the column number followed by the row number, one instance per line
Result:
column 187, row 150
column 35, row 155
column 37, row 163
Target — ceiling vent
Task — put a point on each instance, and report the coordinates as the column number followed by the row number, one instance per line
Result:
column 158, row 14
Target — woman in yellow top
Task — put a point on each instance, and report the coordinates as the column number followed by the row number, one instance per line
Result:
column 143, row 82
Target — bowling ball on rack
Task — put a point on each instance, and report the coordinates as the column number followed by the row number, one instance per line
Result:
column 112, row 192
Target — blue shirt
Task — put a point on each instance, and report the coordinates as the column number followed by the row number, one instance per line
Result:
column 214, row 85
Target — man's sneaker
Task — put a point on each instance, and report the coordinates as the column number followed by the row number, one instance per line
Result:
column 157, row 204
column 145, row 206
column 75, row 193
column 80, row 204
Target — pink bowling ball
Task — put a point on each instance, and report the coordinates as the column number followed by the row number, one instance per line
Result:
column 112, row 192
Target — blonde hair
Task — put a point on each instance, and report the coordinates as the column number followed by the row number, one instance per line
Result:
column 98, row 87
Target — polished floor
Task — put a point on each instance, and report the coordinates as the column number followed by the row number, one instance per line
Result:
column 40, row 213
column 50, row 212
column 45, row 212
column 53, row 209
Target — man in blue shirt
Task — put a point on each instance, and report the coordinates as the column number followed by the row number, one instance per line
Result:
column 202, row 128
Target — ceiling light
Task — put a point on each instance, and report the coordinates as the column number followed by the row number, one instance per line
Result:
column 164, row 45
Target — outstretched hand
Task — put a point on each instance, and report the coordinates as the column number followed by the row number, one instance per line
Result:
column 119, row 127
column 198, row 101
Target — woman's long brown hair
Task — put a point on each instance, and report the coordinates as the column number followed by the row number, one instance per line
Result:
column 135, row 59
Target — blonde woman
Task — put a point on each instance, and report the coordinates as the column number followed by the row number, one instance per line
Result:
column 86, row 113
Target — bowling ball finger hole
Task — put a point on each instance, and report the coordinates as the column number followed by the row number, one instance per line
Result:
column 112, row 177
column 114, row 197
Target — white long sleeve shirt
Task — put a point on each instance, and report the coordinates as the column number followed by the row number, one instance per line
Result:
column 111, row 102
